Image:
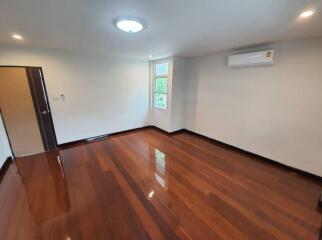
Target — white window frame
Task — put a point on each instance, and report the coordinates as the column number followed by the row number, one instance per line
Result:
column 154, row 85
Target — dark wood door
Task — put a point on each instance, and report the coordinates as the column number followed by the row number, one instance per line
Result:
column 40, row 100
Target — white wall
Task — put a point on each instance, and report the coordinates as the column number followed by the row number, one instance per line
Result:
column 178, row 86
column 5, row 150
column 102, row 94
column 274, row 111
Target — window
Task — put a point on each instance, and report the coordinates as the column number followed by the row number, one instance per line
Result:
column 160, row 91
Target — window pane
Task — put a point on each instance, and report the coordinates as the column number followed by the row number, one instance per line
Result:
column 161, row 69
column 160, row 100
column 161, row 85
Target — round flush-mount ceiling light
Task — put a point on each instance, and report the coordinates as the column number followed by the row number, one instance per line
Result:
column 130, row 24
column 17, row 36
column 307, row 14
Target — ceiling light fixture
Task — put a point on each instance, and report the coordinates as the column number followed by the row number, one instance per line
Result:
column 307, row 14
column 17, row 36
column 130, row 24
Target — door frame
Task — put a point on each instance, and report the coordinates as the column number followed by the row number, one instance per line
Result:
column 33, row 97
column 6, row 132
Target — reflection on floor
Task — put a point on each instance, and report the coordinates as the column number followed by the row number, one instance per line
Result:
column 148, row 185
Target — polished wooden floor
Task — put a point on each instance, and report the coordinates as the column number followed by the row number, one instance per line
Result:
column 148, row 185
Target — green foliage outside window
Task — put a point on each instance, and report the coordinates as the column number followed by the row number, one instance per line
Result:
column 160, row 100
column 161, row 85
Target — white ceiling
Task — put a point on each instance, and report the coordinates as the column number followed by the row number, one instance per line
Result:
column 175, row 27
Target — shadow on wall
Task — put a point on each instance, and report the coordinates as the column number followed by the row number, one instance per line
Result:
column 191, row 91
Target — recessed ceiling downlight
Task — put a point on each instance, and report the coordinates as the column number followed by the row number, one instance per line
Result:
column 130, row 24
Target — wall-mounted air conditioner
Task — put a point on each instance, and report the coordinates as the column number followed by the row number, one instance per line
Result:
column 261, row 58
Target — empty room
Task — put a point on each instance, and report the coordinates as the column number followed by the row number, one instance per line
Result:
column 160, row 120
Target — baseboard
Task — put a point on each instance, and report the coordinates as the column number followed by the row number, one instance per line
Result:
column 5, row 167
column 130, row 130
column 96, row 138
column 225, row 145
column 259, row 157
column 102, row 137
column 254, row 155
column 166, row 132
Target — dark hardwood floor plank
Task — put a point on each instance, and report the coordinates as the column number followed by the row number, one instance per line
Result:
column 239, row 178
column 147, row 184
column 164, row 227
column 138, row 207
column 213, row 219
column 113, row 202
column 136, row 143
column 259, row 170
